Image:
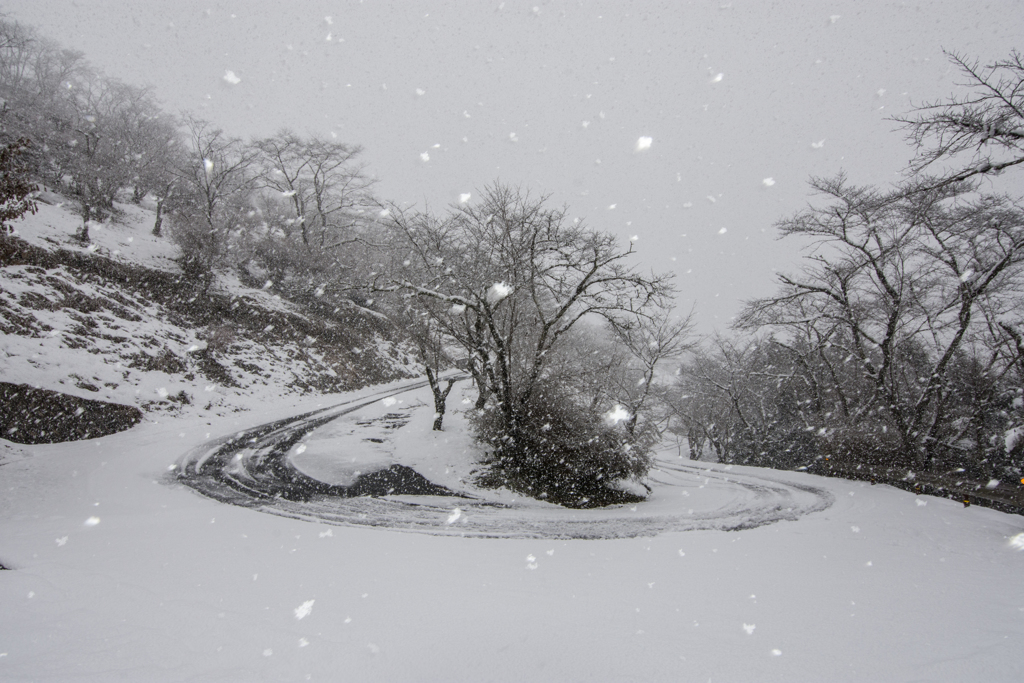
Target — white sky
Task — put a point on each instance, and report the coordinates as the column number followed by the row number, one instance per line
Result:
column 557, row 95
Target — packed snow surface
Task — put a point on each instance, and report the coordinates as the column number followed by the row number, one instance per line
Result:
column 280, row 468
column 120, row 573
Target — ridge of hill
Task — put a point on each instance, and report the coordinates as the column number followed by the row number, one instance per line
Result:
column 116, row 320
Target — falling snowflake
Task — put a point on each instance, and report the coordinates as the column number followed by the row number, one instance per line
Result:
column 718, row 78
column 643, row 143
column 617, row 414
column 1017, row 542
column 231, row 78
column 389, row 401
column 749, row 628
column 425, row 156
column 454, row 516
column 303, row 610
column 464, row 197
column 497, row 292
column 768, row 182
column 92, row 521
column 301, row 448
column 819, row 144
column 61, row 541
column 723, row 231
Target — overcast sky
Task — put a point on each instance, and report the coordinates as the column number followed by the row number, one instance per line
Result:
column 742, row 101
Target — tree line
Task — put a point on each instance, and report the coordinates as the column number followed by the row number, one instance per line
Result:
column 898, row 348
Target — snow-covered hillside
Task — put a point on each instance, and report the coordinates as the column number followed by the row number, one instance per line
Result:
column 116, row 321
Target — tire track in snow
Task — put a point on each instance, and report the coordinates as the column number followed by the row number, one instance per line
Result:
column 251, row 469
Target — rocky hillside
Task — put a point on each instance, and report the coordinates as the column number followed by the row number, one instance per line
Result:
column 116, row 321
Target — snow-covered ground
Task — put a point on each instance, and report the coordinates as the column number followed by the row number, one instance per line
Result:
column 119, row 575
column 73, row 328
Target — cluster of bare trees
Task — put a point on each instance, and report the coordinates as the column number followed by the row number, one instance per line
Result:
column 283, row 208
column 553, row 323
column 89, row 135
column 560, row 331
column 898, row 345
column 289, row 210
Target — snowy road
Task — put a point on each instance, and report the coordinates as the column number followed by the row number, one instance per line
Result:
column 116, row 576
column 254, row 469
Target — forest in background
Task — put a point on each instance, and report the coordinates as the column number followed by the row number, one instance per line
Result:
column 896, row 353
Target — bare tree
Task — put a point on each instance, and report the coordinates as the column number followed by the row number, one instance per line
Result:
column 742, row 398
column 651, row 338
column 151, row 140
column 895, row 281
column 430, row 343
column 39, row 83
column 95, row 156
column 508, row 279
column 984, row 127
column 433, row 349
column 216, row 180
column 322, row 180
column 520, row 276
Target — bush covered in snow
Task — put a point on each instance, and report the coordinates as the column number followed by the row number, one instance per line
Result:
column 561, row 452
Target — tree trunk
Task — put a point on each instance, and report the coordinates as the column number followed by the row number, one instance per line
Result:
column 481, row 385
column 440, row 398
column 83, row 235
column 159, row 218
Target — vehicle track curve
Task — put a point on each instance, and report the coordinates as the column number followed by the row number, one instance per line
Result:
column 251, row 469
